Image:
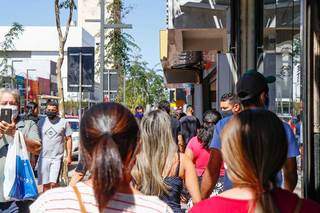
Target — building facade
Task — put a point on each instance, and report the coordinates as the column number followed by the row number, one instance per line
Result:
column 36, row 52
column 279, row 38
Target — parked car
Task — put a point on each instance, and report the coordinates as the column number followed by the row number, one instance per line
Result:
column 74, row 124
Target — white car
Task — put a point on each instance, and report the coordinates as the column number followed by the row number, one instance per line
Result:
column 74, row 124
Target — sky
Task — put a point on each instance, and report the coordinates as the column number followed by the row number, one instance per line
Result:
column 146, row 16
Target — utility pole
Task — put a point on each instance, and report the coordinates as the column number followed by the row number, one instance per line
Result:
column 12, row 72
column 102, row 35
column 80, row 86
column 104, row 26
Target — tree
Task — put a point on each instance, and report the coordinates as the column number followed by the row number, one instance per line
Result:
column 120, row 45
column 8, row 44
column 58, row 5
column 144, row 85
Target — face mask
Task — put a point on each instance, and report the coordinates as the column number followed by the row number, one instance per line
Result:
column 139, row 115
column 51, row 115
column 226, row 113
column 14, row 109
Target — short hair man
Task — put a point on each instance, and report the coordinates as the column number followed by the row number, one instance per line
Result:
column 32, row 111
column 164, row 105
column 9, row 98
column 54, row 132
column 252, row 89
column 189, row 125
column 229, row 104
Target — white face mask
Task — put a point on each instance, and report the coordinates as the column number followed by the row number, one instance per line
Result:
column 14, row 109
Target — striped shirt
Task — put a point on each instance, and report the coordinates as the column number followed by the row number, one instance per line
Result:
column 65, row 200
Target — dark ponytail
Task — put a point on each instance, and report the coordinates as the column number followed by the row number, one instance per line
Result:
column 205, row 134
column 108, row 137
column 106, row 170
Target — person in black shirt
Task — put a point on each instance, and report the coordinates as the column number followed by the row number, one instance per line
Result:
column 189, row 125
column 32, row 112
column 175, row 124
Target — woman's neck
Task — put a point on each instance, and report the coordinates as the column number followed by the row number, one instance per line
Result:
column 239, row 193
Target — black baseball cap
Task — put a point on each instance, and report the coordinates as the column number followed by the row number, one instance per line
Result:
column 252, row 83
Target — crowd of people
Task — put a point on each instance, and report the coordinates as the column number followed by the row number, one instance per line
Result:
column 44, row 139
column 241, row 159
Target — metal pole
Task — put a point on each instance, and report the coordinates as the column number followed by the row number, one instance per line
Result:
column 27, row 88
column 102, row 35
column 12, row 72
column 124, row 86
column 12, row 75
column 80, row 85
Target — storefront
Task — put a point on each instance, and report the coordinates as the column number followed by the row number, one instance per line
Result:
column 275, row 37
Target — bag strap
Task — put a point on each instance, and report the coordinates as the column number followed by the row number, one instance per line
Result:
column 77, row 192
column 298, row 206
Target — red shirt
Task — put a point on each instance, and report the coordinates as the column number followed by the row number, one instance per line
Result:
column 200, row 156
column 284, row 200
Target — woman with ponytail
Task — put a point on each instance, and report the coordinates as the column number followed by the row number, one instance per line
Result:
column 198, row 147
column 254, row 149
column 109, row 140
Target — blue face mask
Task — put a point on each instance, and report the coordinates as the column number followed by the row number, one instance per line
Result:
column 139, row 115
column 226, row 113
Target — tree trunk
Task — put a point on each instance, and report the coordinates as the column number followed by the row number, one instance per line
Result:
column 62, row 41
column 60, row 83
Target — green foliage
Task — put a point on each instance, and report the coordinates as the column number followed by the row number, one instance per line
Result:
column 120, row 45
column 66, row 4
column 8, row 44
column 144, row 85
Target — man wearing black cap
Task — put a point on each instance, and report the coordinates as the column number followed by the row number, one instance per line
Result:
column 252, row 90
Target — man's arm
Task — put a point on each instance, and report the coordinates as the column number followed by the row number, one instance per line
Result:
column 290, row 166
column 69, row 149
column 290, row 174
column 32, row 138
column 211, row 174
column 33, row 146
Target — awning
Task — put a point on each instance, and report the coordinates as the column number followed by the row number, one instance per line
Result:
column 182, row 52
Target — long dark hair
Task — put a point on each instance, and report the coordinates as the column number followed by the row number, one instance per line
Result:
column 210, row 118
column 254, row 147
column 109, row 133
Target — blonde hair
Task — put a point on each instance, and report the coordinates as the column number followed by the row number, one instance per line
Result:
column 157, row 155
column 13, row 92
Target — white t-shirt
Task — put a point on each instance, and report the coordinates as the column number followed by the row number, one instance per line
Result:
column 52, row 136
column 65, row 200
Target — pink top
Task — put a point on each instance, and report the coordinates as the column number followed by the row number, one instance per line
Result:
column 285, row 201
column 200, row 155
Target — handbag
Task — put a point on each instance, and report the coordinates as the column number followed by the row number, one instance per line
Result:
column 19, row 180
